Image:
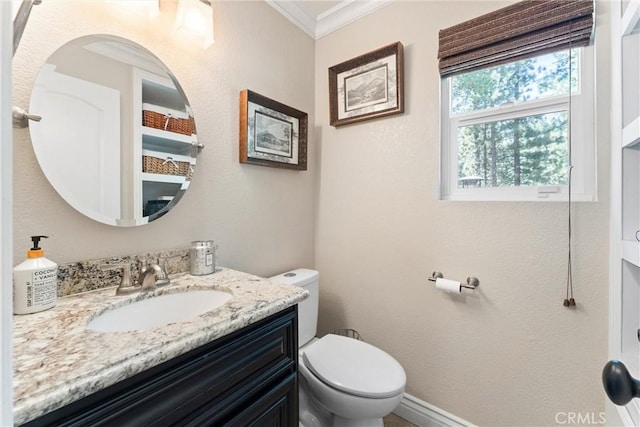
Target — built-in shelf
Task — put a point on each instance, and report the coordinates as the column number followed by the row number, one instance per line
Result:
column 166, row 111
column 630, row 307
column 171, row 179
column 631, row 80
column 631, row 134
column 168, row 137
column 631, row 18
column 159, row 94
column 631, row 252
column 630, row 191
column 159, row 90
column 625, row 150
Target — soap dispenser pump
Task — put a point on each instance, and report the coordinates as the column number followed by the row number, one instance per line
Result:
column 35, row 281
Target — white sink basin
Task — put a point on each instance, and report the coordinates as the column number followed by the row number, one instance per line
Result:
column 159, row 311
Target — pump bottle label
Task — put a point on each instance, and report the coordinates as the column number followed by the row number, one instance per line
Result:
column 41, row 289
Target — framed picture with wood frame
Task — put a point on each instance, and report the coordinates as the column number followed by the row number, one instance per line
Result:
column 368, row 86
column 271, row 133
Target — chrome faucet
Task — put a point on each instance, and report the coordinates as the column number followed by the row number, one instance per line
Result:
column 149, row 277
column 149, row 273
column 153, row 275
column 125, row 287
column 162, row 278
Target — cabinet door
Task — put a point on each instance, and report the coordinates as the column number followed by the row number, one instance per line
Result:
column 248, row 374
column 274, row 409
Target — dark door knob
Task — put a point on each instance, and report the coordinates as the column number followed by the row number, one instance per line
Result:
column 619, row 385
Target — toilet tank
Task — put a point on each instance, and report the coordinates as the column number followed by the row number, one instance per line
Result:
column 308, row 308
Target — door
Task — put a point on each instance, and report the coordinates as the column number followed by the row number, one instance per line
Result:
column 624, row 287
column 76, row 111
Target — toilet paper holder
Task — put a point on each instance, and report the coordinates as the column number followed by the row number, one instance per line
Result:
column 472, row 282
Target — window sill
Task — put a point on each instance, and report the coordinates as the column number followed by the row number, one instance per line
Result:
column 511, row 196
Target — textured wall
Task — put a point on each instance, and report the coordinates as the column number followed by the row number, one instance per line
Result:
column 509, row 353
column 262, row 218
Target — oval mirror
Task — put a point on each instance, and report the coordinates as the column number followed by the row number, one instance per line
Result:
column 117, row 138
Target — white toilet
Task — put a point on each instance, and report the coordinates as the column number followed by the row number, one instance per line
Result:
column 343, row 381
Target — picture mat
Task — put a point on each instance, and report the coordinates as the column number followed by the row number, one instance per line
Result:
column 389, row 62
column 252, row 111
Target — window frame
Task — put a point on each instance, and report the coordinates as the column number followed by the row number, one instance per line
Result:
column 583, row 181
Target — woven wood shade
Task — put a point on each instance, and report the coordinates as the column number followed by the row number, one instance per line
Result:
column 524, row 29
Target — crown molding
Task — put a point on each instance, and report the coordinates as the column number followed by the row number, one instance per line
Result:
column 296, row 14
column 345, row 13
column 333, row 19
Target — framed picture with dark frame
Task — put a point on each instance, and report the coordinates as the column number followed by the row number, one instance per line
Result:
column 271, row 133
column 368, row 86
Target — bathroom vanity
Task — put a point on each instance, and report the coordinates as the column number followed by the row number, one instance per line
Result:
column 235, row 365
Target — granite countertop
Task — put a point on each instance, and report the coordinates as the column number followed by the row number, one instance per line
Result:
column 57, row 360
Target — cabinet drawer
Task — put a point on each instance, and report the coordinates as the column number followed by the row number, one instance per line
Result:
column 225, row 374
column 271, row 407
column 275, row 408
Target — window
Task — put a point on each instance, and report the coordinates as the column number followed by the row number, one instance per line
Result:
column 517, row 101
column 505, row 130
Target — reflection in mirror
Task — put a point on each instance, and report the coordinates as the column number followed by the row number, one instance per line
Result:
column 117, row 138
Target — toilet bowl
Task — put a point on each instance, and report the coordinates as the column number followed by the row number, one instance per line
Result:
column 355, row 382
column 343, row 382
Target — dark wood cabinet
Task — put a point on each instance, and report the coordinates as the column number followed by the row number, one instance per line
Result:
column 247, row 378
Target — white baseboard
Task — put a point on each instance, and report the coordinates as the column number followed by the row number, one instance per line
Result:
column 424, row 414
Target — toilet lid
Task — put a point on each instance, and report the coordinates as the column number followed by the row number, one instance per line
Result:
column 354, row 367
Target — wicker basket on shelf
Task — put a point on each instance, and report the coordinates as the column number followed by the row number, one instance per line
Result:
column 153, row 119
column 166, row 166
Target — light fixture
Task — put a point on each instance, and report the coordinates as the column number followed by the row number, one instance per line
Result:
column 152, row 8
column 196, row 17
column 144, row 9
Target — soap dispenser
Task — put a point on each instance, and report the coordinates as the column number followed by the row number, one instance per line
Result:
column 35, row 281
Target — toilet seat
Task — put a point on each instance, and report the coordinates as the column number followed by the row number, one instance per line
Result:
column 354, row 367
